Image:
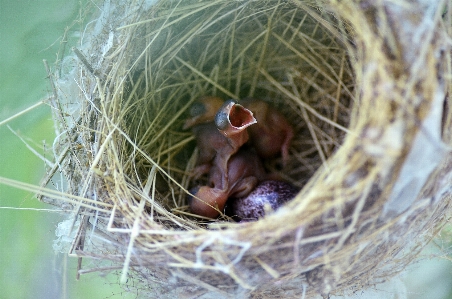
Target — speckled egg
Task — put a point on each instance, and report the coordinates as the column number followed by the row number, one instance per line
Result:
column 267, row 195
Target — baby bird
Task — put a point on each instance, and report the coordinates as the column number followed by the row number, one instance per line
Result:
column 219, row 140
column 232, row 120
column 245, row 170
column 272, row 134
column 209, row 141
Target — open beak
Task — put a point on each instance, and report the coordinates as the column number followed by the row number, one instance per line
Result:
column 233, row 118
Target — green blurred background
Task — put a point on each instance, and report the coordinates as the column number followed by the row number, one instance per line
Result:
column 31, row 31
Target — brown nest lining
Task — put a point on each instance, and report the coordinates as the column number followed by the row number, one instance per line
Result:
column 364, row 86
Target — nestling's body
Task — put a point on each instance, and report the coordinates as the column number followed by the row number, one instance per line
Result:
column 245, row 170
column 234, row 172
column 272, row 134
column 218, row 141
column 210, row 143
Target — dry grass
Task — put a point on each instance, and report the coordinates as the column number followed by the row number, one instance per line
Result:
column 359, row 92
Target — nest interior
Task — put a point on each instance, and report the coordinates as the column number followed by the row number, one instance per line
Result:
column 364, row 99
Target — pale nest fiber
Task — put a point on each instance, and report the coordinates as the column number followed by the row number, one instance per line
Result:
column 364, row 84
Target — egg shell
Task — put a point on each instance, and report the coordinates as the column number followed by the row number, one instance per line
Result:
column 268, row 193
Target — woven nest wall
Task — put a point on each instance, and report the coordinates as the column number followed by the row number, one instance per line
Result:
column 364, row 86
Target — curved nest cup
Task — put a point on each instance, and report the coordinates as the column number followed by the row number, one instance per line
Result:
column 364, row 85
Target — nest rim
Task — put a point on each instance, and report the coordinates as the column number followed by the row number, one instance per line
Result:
column 269, row 229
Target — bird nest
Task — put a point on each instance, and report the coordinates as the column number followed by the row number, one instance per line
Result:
column 364, row 85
